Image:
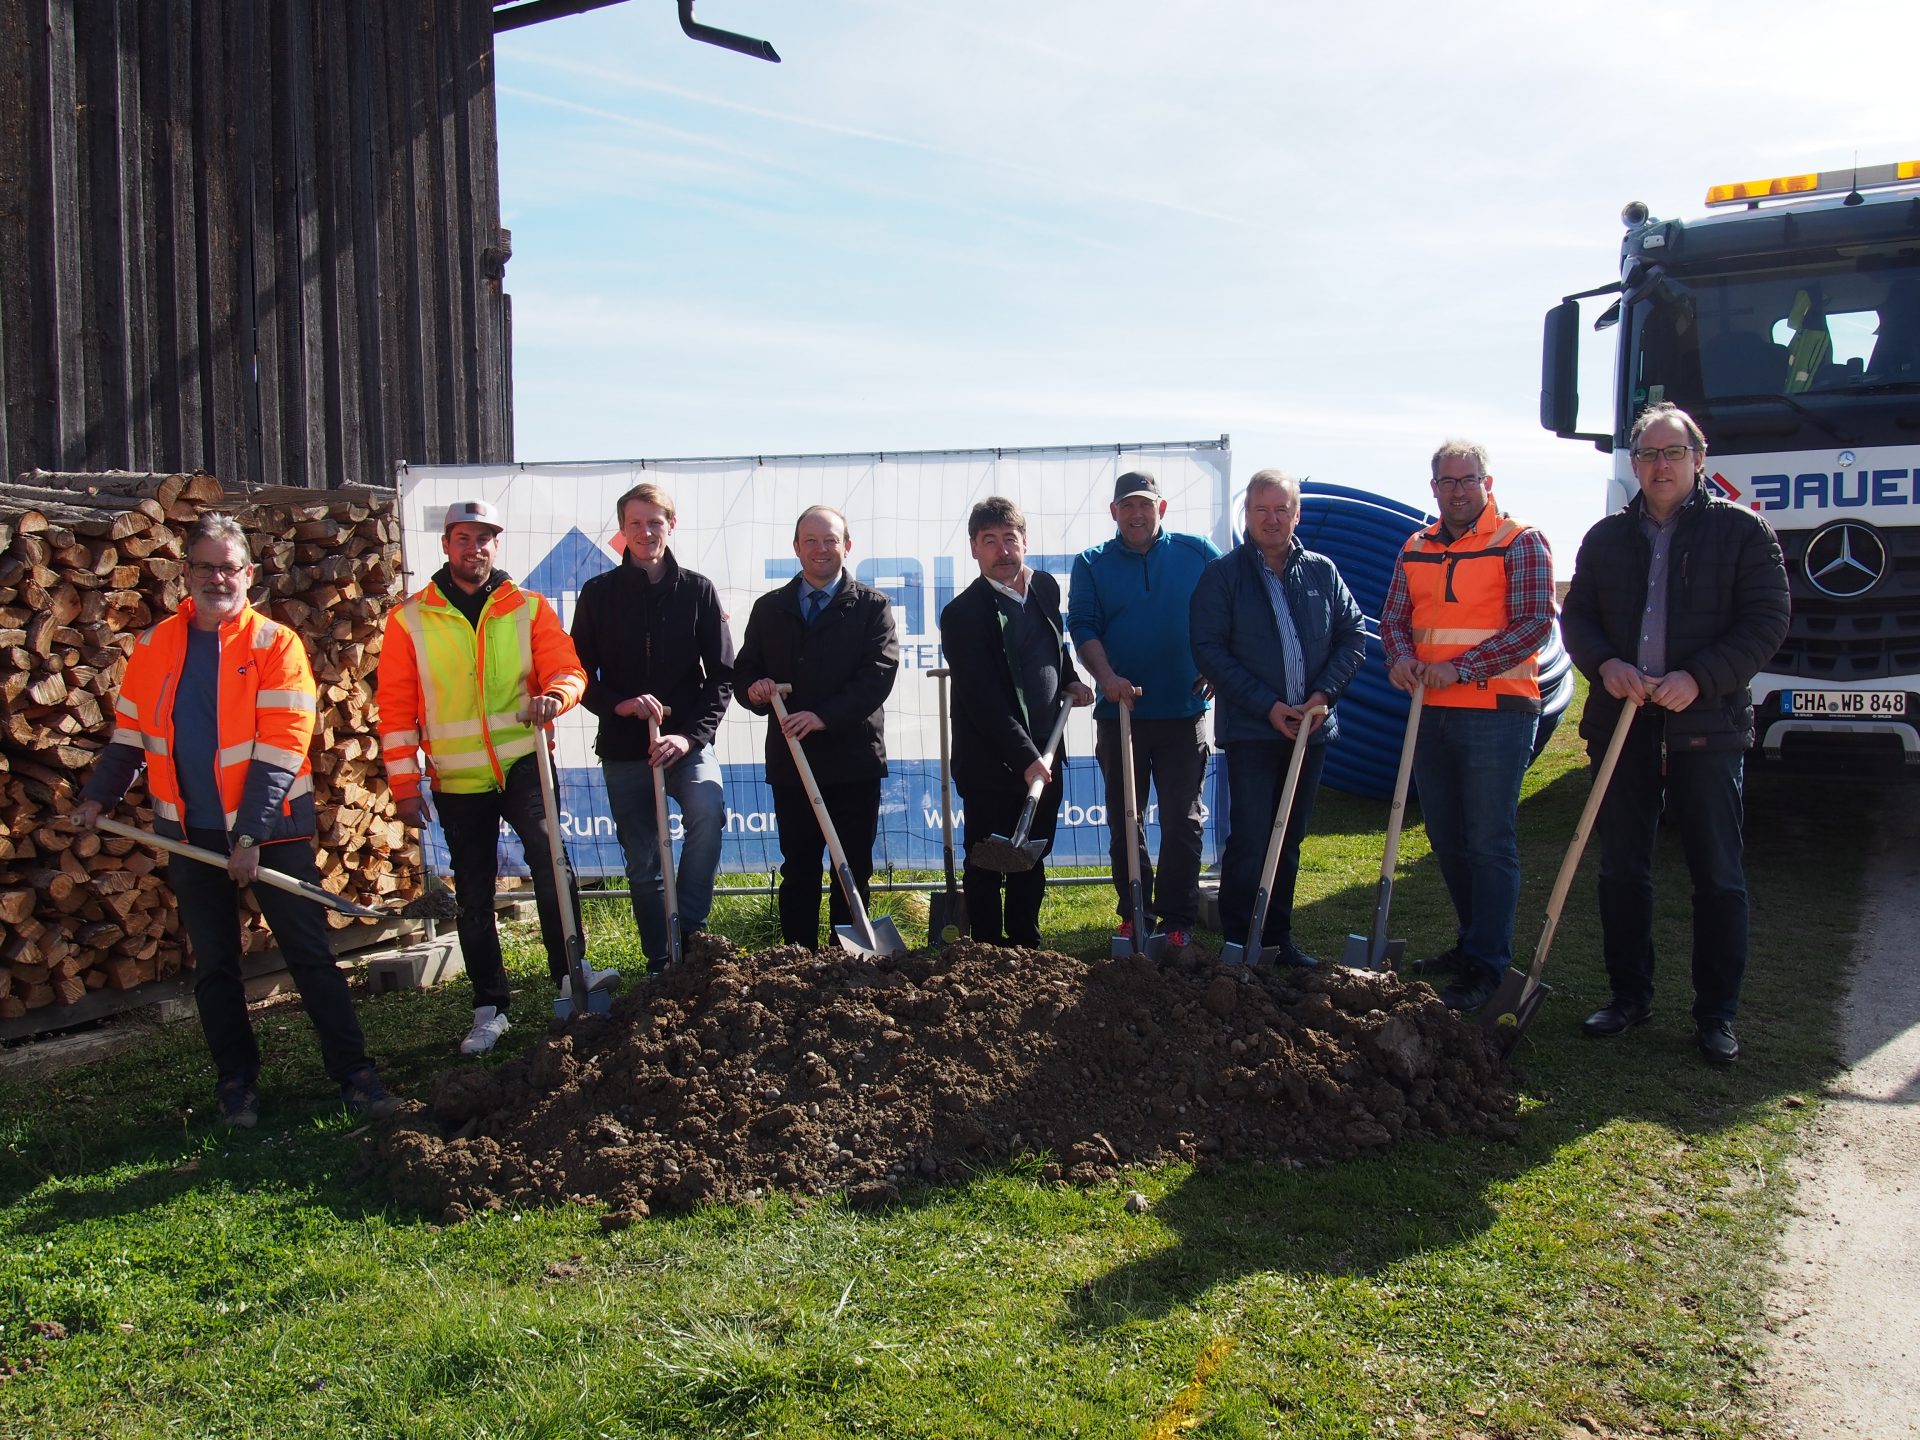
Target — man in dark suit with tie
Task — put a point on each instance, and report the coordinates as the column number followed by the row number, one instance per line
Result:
column 1012, row 672
column 831, row 638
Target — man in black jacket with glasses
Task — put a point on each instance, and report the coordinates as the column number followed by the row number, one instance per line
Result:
column 1677, row 602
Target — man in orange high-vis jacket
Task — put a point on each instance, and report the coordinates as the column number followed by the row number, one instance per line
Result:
column 218, row 703
column 471, row 668
column 1469, row 609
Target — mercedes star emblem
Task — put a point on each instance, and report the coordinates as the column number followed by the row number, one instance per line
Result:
column 1845, row 560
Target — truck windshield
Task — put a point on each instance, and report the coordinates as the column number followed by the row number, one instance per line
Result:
column 1806, row 355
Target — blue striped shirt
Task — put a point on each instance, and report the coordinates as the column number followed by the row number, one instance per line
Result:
column 1290, row 653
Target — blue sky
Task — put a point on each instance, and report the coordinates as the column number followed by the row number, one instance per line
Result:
column 1328, row 232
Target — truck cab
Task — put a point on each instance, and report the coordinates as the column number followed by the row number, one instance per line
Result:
column 1786, row 320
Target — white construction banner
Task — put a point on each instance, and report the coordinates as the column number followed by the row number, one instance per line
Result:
column 907, row 514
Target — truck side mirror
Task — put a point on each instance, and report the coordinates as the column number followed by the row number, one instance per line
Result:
column 1560, row 370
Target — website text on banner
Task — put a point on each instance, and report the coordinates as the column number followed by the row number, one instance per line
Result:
column 907, row 513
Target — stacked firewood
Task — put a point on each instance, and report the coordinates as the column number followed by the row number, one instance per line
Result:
column 87, row 562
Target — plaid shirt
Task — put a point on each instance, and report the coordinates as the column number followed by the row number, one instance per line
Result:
column 1529, row 612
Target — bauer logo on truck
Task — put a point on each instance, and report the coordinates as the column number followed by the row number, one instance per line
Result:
column 1838, row 490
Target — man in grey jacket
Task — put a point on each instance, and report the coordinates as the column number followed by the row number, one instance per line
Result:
column 1276, row 633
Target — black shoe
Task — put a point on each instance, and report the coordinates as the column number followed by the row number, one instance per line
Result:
column 362, row 1093
column 239, row 1104
column 1717, row 1041
column 1616, row 1018
column 1294, row 958
column 1449, row 964
column 1471, row 991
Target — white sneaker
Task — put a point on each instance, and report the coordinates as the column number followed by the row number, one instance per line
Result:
column 488, row 1026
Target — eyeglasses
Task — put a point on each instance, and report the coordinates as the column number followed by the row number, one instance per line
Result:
column 1661, row 452
column 224, row 572
column 1456, row 482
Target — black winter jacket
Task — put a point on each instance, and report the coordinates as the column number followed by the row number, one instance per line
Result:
column 665, row 638
column 841, row 667
column 991, row 745
column 1727, row 611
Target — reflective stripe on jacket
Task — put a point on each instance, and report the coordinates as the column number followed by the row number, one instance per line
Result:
column 459, row 691
column 265, row 707
column 1458, row 594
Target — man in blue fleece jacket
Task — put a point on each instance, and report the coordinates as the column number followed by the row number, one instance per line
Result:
column 1127, row 614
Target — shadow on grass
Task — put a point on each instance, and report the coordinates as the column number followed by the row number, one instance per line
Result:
column 1806, row 855
column 1353, row 1219
column 151, row 1111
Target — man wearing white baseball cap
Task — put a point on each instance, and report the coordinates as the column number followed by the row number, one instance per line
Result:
column 471, row 669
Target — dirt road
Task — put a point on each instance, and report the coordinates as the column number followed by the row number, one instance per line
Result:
column 1845, row 1315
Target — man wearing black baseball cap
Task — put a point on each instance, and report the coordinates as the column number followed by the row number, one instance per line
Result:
column 1127, row 613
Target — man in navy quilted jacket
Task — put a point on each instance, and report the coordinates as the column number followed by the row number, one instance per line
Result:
column 1276, row 633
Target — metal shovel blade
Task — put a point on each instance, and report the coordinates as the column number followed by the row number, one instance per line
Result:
column 1511, row 1010
column 1235, row 954
column 1360, row 954
column 886, row 939
column 1154, row 947
column 599, row 1002
column 946, row 917
column 1374, row 951
column 998, row 852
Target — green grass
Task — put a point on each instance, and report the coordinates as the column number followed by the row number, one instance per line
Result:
column 1605, row 1263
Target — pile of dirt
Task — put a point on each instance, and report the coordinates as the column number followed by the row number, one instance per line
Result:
column 819, row 1072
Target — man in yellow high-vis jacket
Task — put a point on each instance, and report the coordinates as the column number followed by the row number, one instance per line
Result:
column 472, row 666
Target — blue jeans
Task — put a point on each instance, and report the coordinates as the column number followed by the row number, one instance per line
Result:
column 1256, row 774
column 696, row 785
column 1468, row 765
column 1701, row 791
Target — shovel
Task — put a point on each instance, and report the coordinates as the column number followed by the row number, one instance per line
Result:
column 435, row 905
column 1139, row 942
column 1375, row 951
column 670, row 893
column 1253, row 952
column 873, row 939
column 1012, row 854
column 946, row 909
column 1518, row 999
column 598, row 1002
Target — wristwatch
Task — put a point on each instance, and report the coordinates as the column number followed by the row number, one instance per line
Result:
column 246, row 842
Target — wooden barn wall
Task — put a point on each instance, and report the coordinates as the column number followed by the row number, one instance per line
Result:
column 260, row 237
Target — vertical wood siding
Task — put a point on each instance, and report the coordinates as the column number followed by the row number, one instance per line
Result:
column 260, row 237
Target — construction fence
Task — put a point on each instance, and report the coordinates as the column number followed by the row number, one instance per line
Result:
column 907, row 514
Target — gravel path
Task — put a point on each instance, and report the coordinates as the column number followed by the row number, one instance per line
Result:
column 1845, row 1315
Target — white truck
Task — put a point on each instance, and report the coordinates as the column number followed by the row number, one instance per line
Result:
column 1786, row 320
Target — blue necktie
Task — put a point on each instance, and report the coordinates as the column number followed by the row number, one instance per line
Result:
column 816, row 602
